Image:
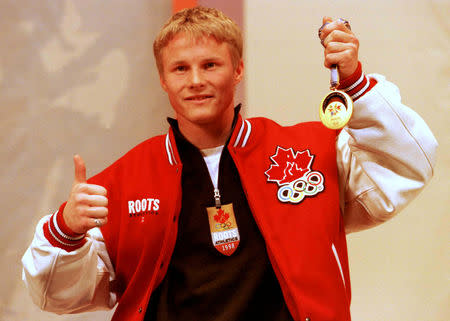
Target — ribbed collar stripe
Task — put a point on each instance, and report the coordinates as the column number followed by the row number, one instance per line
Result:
column 169, row 151
column 355, row 84
column 359, row 93
column 247, row 133
column 239, row 134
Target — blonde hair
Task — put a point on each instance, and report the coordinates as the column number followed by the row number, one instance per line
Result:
column 200, row 22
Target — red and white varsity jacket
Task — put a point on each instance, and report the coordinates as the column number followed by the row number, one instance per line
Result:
column 306, row 186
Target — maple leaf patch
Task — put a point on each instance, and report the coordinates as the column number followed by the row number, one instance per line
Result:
column 292, row 172
column 288, row 166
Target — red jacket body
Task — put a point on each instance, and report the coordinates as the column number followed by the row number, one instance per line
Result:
column 305, row 239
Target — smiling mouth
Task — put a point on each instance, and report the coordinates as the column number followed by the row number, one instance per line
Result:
column 199, row 97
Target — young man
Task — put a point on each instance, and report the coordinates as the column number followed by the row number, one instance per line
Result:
column 225, row 218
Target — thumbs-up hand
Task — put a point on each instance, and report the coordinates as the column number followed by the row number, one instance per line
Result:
column 87, row 204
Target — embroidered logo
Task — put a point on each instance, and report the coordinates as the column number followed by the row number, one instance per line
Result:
column 292, row 172
column 143, row 207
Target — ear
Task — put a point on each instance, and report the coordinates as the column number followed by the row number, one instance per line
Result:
column 239, row 72
column 162, row 81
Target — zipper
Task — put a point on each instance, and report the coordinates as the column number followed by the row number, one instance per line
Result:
column 217, row 197
column 216, row 190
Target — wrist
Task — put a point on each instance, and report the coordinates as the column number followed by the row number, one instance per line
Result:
column 62, row 223
column 60, row 235
column 357, row 84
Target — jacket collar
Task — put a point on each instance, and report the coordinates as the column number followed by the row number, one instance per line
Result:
column 240, row 134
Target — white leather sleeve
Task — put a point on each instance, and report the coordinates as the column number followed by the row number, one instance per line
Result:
column 69, row 282
column 385, row 156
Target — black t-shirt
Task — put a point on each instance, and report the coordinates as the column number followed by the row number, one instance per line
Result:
column 201, row 283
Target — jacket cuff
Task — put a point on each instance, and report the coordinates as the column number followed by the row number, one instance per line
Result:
column 357, row 84
column 60, row 235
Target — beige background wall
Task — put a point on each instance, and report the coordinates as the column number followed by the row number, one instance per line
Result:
column 399, row 270
column 75, row 77
column 79, row 77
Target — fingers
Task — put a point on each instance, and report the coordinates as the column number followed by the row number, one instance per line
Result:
column 91, row 200
column 90, row 212
column 98, row 222
column 346, row 66
column 81, row 217
column 340, row 46
column 90, row 189
column 337, row 46
column 80, row 169
column 340, row 50
column 97, row 212
column 92, row 219
column 329, row 26
column 339, row 36
column 87, row 204
column 80, row 185
column 325, row 21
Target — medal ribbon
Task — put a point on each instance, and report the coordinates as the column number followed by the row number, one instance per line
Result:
column 334, row 77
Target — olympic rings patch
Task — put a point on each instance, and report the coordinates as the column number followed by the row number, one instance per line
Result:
column 292, row 172
column 295, row 192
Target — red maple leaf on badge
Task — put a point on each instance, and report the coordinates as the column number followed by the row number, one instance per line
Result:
column 221, row 216
column 288, row 166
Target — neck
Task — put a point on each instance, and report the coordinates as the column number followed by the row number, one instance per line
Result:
column 208, row 135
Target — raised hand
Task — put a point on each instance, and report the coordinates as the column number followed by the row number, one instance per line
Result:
column 340, row 46
column 87, row 204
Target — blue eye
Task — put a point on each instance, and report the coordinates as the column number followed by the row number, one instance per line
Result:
column 180, row 68
column 210, row 65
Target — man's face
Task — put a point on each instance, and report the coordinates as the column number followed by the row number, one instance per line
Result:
column 199, row 78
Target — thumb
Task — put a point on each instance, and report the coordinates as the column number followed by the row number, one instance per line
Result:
column 80, row 169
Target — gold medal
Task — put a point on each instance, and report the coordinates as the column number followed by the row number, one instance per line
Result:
column 337, row 107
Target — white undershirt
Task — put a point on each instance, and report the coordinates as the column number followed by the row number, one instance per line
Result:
column 212, row 158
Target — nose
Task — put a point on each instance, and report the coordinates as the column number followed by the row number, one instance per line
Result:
column 196, row 79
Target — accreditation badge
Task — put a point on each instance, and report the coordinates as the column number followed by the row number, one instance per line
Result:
column 224, row 230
